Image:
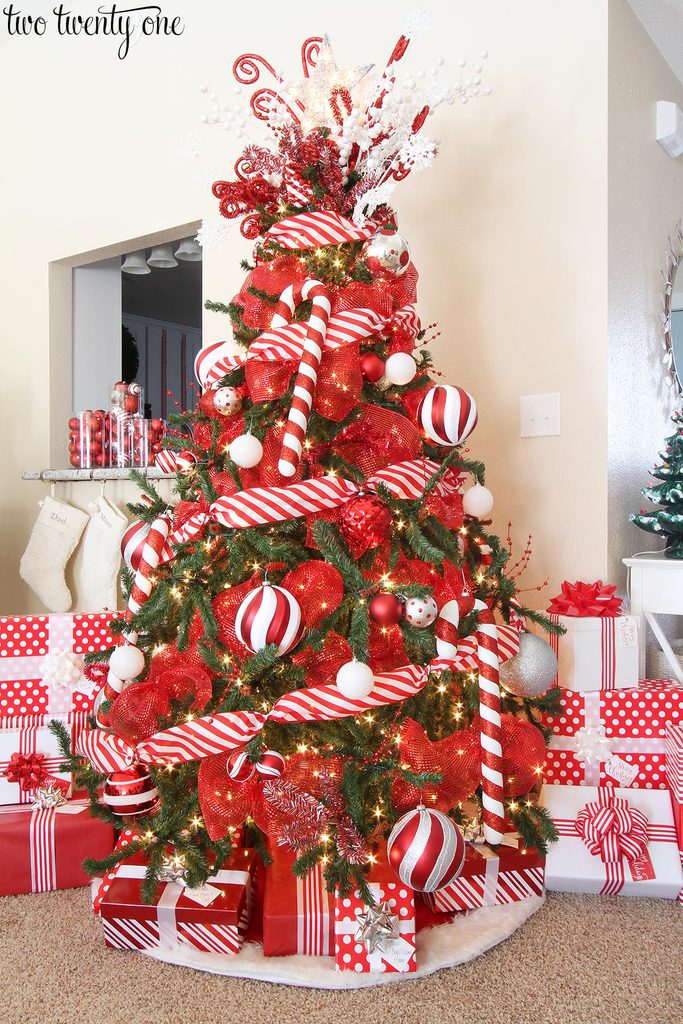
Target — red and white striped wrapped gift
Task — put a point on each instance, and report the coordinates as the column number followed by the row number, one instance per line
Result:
column 42, row 848
column 213, row 918
column 632, row 724
column 572, row 867
column 505, row 875
column 596, row 652
column 298, row 913
column 29, row 734
column 41, row 661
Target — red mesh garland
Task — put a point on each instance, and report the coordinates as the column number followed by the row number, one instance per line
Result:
column 377, row 439
column 225, row 804
column 386, row 648
column 523, row 755
column 135, row 713
column 224, row 484
column 321, row 667
column 456, row 758
column 319, row 589
column 271, row 277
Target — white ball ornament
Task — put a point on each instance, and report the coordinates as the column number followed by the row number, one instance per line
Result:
column 420, row 611
column 355, row 680
column 387, row 254
column 477, row 501
column 127, row 662
column 227, row 401
column 246, row 451
column 400, row 368
column 533, row 669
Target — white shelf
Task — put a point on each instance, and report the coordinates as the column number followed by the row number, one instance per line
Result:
column 74, row 475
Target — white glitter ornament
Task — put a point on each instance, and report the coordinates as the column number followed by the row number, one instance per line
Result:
column 246, row 451
column 420, row 611
column 533, row 669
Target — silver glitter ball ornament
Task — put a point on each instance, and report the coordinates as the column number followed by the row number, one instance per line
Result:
column 387, row 254
column 533, row 669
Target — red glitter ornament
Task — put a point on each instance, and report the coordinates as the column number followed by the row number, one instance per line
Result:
column 371, row 366
column 365, row 522
column 386, row 609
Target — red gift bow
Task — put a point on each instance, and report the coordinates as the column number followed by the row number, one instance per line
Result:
column 584, row 599
column 28, row 770
column 611, row 828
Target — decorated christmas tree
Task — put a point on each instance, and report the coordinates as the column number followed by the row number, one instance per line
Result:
column 667, row 521
column 310, row 653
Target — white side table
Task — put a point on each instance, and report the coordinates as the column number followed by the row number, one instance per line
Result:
column 656, row 587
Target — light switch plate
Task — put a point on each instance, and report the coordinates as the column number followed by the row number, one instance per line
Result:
column 539, row 415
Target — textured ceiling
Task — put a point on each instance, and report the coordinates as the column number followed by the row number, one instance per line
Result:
column 663, row 20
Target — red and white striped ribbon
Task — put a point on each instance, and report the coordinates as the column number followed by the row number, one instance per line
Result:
column 316, row 230
column 489, row 714
column 314, row 914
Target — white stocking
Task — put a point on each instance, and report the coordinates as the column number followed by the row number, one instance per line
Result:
column 53, row 540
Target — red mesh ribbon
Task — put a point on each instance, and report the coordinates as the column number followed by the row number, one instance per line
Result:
column 456, row 758
column 583, row 599
column 26, row 770
column 319, row 589
column 612, row 829
column 225, row 803
column 136, row 712
column 523, row 754
column 271, row 277
column 181, row 675
column 321, row 667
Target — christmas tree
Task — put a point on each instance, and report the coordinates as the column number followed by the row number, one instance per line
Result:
column 313, row 633
column 667, row 521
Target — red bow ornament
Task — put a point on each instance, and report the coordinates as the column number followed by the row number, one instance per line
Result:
column 586, row 599
column 612, row 829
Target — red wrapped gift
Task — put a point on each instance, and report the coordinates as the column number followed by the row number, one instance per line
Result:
column 674, row 774
column 28, row 737
column 43, row 848
column 613, row 736
column 298, row 913
column 381, row 938
column 213, row 917
column 41, row 662
column 489, row 877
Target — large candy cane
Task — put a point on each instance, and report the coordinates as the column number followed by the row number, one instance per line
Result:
column 307, row 377
column 489, row 713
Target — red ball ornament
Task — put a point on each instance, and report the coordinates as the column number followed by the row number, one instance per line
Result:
column 426, row 850
column 130, row 793
column 371, row 366
column 74, row 423
column 386, row 609
column 75, row 459
column 365, row 522
column 186, row 461
column 271, row 764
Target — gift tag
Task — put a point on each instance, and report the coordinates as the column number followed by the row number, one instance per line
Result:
column 621, row 770
column 396, row 952
column 641, row 868
column 628, row 632
column 70, row 808
column 202, row 894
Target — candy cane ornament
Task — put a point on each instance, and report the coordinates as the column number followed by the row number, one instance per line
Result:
column 307, row 376
column 490, row 735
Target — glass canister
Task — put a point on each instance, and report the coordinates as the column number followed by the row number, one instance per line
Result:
column 88, row 439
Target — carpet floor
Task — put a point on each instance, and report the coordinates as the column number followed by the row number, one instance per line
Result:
column 579, row 960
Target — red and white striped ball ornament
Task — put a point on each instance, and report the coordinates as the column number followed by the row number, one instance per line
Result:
column 447, row 414
column 186, row 461
column 166, row 461
column 426, row 850
column 269, row 615
column 239, row 767
column 132, row 543
column 130, row 793
column 271, row 764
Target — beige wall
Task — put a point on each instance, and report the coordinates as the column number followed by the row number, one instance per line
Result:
column 508, row 230
column 645, row 204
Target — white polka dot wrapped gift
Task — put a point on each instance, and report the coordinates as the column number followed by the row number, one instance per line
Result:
column 378, row 939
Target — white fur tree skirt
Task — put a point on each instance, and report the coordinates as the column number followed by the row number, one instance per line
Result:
column 446, row 945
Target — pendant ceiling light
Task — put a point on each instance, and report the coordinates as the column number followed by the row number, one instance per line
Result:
column 189, row 250
column 135, row 263
column 162, row 257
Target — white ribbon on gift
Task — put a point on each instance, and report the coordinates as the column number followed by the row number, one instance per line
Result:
column 23, row 669
column 493, row 865
column 168, row 901
column 592, row 721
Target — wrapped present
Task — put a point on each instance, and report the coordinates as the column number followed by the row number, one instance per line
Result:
column 29, row 749
column 612, row 841
column 599, row 650
column 507, row 874
column 298, row 913
column 674, row 772
column 376, row 938
column 43, row 847
column 613, row 737
column 213, row 917
column 41, row 662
